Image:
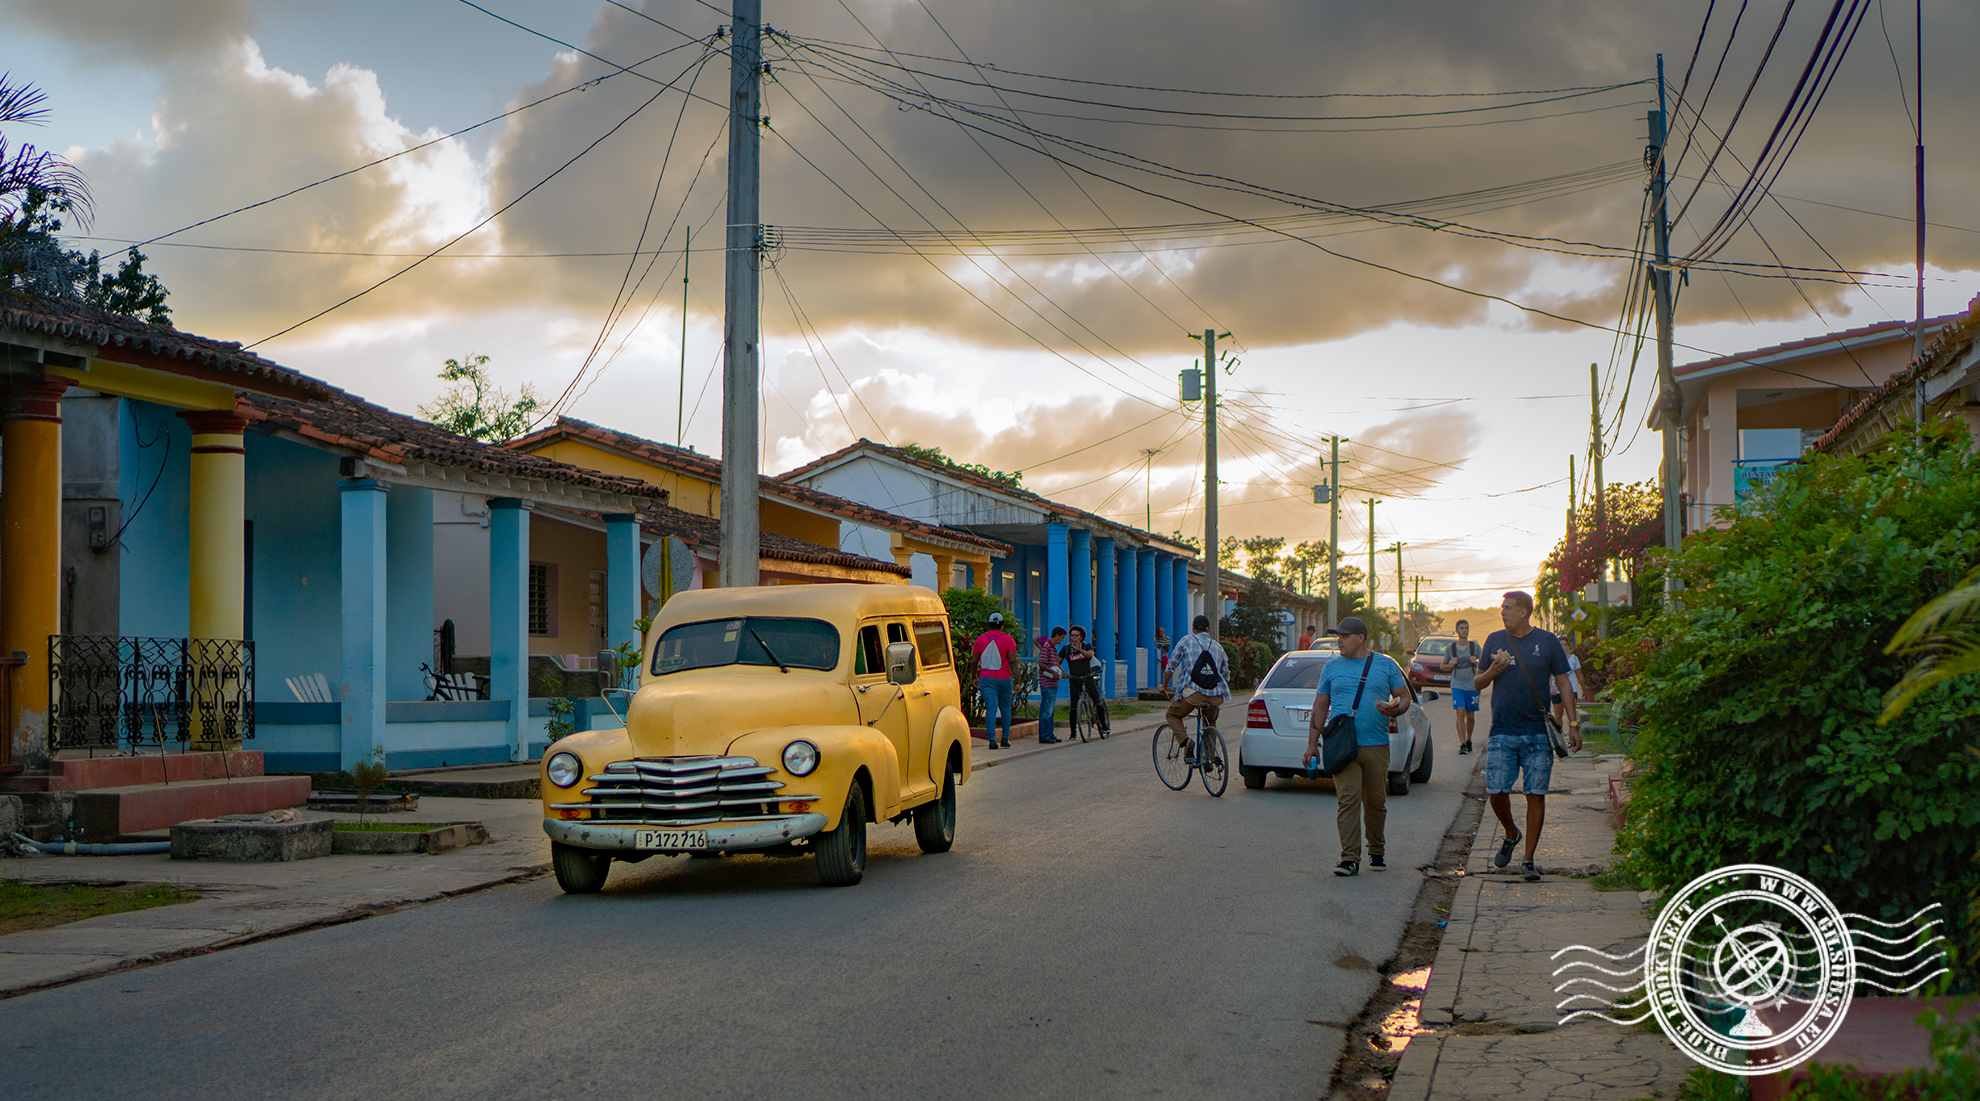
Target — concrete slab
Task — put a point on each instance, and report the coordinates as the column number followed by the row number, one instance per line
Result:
column 216, row 839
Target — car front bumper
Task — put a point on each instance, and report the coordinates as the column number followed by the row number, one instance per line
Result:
column 733, row 835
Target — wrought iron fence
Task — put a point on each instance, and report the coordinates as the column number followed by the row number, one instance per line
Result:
column 113, row 692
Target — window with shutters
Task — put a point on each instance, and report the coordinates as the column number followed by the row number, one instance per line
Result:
column 543, row 599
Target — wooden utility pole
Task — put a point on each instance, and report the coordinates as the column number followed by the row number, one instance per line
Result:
column 741, row 520
column 680, row 400
column 1334, row 533
column 1213, row 599
column 1372, row 502
column 1601, row 516
column 1402, row 613
column 1670, row 400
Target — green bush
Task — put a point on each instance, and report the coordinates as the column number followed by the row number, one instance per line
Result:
column 1758, row 698
column 969, row 616
column 1249, row 660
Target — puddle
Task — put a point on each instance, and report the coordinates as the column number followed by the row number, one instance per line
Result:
column 1418, row 979
column 1399, row 1027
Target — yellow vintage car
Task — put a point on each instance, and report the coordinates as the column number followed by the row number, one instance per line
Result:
column 778, row 720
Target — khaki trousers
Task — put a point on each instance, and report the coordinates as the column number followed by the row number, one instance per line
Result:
column 1181, row 706
column 1363, row 789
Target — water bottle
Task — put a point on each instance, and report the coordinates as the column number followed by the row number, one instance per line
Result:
column 1313, row 767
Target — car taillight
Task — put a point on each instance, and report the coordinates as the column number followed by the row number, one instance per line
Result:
column 1256, row 717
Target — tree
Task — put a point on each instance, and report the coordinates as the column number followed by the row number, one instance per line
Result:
column 474, row 407
column 1261, row 557
column 1945, row 634
column 1012, row 479
column 1309, row 561
column 1255, row 617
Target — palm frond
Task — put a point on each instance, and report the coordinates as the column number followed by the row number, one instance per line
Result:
column 1945, row 634
column 21, row 102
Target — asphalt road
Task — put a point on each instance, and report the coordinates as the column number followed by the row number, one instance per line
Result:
column 1092, row 934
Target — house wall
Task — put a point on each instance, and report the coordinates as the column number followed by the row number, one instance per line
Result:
column 460, row 568
column 781, row 519
column 90, row 457
column 576, row 551
column 408, row 590
column 154, row 482
column 292, row 500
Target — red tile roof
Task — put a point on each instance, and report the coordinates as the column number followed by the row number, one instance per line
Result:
column 346, row 421
column 709, row 468
column 1952, row 341
column 1889, row 329
column 158, row 347
column 703, row 533
column 961, row 474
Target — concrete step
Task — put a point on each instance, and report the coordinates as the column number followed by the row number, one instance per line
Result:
column 90, row 773
column 105, row 814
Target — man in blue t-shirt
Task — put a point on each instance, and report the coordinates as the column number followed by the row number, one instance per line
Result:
column 1519, row 721
column 1362, row 788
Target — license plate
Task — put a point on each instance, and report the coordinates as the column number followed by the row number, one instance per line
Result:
column 670, row 839
column 1299, row 715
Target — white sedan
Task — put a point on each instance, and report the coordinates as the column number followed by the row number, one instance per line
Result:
column 1275, row 727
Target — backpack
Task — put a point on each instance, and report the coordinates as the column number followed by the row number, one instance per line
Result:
column 993, row 657
column 1204, row 673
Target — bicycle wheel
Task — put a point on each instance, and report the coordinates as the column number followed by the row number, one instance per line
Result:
column 1211, row 763
column 1105, row 726
column 1082, row 718
column 1171, row 760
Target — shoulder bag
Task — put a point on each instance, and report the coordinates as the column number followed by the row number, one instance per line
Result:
column 1554, row 738
column 1339, row 747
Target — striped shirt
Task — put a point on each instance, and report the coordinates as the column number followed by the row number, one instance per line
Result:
column 1182, row 660
column 1048, row 664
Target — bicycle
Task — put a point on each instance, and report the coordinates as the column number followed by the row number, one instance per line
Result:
column 1176, row 762
column 1089, row 714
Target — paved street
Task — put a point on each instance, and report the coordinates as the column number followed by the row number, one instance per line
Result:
column 1091, row 935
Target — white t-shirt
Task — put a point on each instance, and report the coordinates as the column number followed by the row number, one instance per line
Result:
column 1574, row 682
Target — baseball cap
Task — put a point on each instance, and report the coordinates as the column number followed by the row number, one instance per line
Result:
column 996, row 618
column 1352, row 625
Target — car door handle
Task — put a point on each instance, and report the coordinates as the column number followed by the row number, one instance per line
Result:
column 928, row 691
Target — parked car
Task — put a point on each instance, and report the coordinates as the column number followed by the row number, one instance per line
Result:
column 1425, row 674
column 1276, row 723
column 779, row 720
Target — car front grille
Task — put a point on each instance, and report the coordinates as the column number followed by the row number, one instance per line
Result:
column 682, row 791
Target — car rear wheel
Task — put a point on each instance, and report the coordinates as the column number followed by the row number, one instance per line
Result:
column 1254, row 778
column 1398, row 783
column 1421, row 773
column 579, row 871
column 935, row 823
column 842, row 852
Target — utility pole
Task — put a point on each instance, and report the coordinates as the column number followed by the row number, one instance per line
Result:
column 1918, row 331
column 680, row 403
column 1670, row 400
column 1213, row 599
column 741, row 521
column 1148, row 488
column 1372, row 502
column 1601, row 514
column 1572, row 489
column 1334, row 533
column 1402, row 614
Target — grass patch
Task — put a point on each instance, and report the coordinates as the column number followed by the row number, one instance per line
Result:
column 25, row 905
column 1617, row 879
column 388, row 827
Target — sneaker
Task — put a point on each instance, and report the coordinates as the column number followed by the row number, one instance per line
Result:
column 992, row 745
column 1530, row 873
column 1465, row 748
column 1375, row 861
column 1506, row 850
column 1007, row 744
column 1347, row 867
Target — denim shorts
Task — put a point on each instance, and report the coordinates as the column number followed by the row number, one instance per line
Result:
column 1508, row 755
column 1464, row 699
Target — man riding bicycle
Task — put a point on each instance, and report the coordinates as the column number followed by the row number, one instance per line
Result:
column 1079, row 662
column 1202, row 676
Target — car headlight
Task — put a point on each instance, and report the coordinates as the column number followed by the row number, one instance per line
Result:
column 800, row 758
column 564, row 769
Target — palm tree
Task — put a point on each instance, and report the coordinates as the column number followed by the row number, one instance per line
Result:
column 1945, row 633
column 25, row 170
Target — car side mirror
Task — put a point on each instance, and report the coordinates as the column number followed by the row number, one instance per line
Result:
column 608, row 670
column 900, row 663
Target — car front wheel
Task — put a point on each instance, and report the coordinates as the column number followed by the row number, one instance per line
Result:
column 842, row 852
column 579, row 871
column 935, row 823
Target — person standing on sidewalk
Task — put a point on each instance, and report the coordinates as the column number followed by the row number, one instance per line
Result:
column 1201, row 673
column 1048, row 684
column 1306, row 640
column 1524, row 659
column 1362, row 788
column 1462, row 664
column 996, row 653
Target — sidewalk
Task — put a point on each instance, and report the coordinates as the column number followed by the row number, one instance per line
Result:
column 1230, row 723
column 247, row 902
column 1493, row 1029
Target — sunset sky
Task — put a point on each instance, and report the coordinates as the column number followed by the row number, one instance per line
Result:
column 1016, row 348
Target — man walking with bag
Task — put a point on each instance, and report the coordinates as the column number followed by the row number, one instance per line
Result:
column 1370, row 688
column 1523, row 659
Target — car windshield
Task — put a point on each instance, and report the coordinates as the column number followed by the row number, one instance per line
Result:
column 751, row 640
column 1298, row 670
column 1434, row 648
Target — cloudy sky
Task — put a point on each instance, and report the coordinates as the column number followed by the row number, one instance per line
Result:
column 1022, row 297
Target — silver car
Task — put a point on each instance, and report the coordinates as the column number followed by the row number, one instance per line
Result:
column 1275, row 726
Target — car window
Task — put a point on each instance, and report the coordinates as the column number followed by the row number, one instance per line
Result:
column 1300, row 670
column 1434, row 648
column 750, row 640
column 870, row 658
column 896, row 632
column 931, row 637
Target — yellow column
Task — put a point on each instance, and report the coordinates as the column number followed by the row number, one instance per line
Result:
column 903, row 557
column 218, row 562
column 945, row 571
column 982, row 574
column 30, row 553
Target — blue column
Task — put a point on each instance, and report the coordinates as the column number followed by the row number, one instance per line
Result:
column 1144, row 636
column 362, row 603
column 1165, row 602
column 409, row 590
column 1104, row 621
column 1079, row 574
column 622, row 586
column 1179, row 577
column 508, row 615
column 1127, row 592
column 1057, row 591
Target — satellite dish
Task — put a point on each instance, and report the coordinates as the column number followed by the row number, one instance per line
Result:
column 667, row 568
